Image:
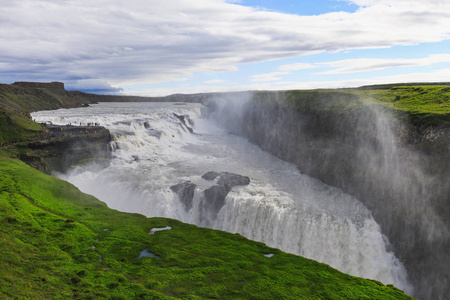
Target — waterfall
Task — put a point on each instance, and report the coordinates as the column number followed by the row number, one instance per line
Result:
column 158, row 145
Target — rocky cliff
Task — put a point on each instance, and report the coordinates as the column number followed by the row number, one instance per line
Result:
column 48, row 148
column 67, row 146
column 400, row 170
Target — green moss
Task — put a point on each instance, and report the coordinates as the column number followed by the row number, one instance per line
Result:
column 16, row 127
column 15, row 104
column 429, row 105
column 418, row 104
column 56, row 242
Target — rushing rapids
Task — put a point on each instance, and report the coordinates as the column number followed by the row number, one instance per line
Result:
column 159, row 145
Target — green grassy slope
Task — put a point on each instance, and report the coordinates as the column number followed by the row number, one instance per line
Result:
column 16, row 102
column 418, row 104
column 15, row 121
column 425, row 105
column 58, row 243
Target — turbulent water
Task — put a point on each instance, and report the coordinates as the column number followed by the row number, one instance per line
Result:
column 153, row 149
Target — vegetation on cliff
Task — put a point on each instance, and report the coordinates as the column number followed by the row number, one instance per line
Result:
column 57, row 242
column 421, row 105
column 425, row 105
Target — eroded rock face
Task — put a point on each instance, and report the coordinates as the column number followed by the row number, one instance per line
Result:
column 232, row 179
column 70, row 147
column 183, row 119
column 185, row 191
column 227, row 179
column 210, row 175
column 212, row 198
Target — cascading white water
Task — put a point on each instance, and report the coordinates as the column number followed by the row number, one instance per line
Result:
column 281, row 207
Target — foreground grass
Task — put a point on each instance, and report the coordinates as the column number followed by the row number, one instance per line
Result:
column 58, row 243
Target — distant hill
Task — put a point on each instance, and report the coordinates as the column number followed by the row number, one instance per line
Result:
column 425, row 103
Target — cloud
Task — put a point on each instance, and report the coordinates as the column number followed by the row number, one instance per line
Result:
column 441, row 75
column 436, row 76
column 215, row 81
column 95, row 86
column 372, row 64
column 283, row 70
column 145, row 41
column 268, row 77
column 296, row 67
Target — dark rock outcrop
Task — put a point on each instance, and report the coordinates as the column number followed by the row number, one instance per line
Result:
column 183, row 122
column 214, row 197
column 227, row 179
column 185, row 191
column 231, row 179
column 55, row 87
column 68, row 146
column 210, row 175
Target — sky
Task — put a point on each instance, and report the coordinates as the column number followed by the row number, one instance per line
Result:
column 158, row 48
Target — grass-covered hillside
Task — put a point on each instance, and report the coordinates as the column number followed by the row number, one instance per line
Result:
column 418, row 104
column 58, row 243
column 16, row 102
column 427, row 104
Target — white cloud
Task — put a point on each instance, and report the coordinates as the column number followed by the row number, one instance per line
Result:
column 268, row 77
column 215, row 81
column 442, row 75
column 436, row 76
column 372, row 64
column 145, row 41
column 296, row 67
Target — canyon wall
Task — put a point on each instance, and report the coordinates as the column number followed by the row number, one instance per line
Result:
column 398, row 170
column 66, row 148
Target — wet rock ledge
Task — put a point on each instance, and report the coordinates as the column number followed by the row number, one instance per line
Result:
column 63, row 147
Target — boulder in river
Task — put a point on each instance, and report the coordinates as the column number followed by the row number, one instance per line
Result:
column 185, row 191
column 232, row 179
column 227, row 179
column 214, row 197
column 210, row 175
column 212, row 201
